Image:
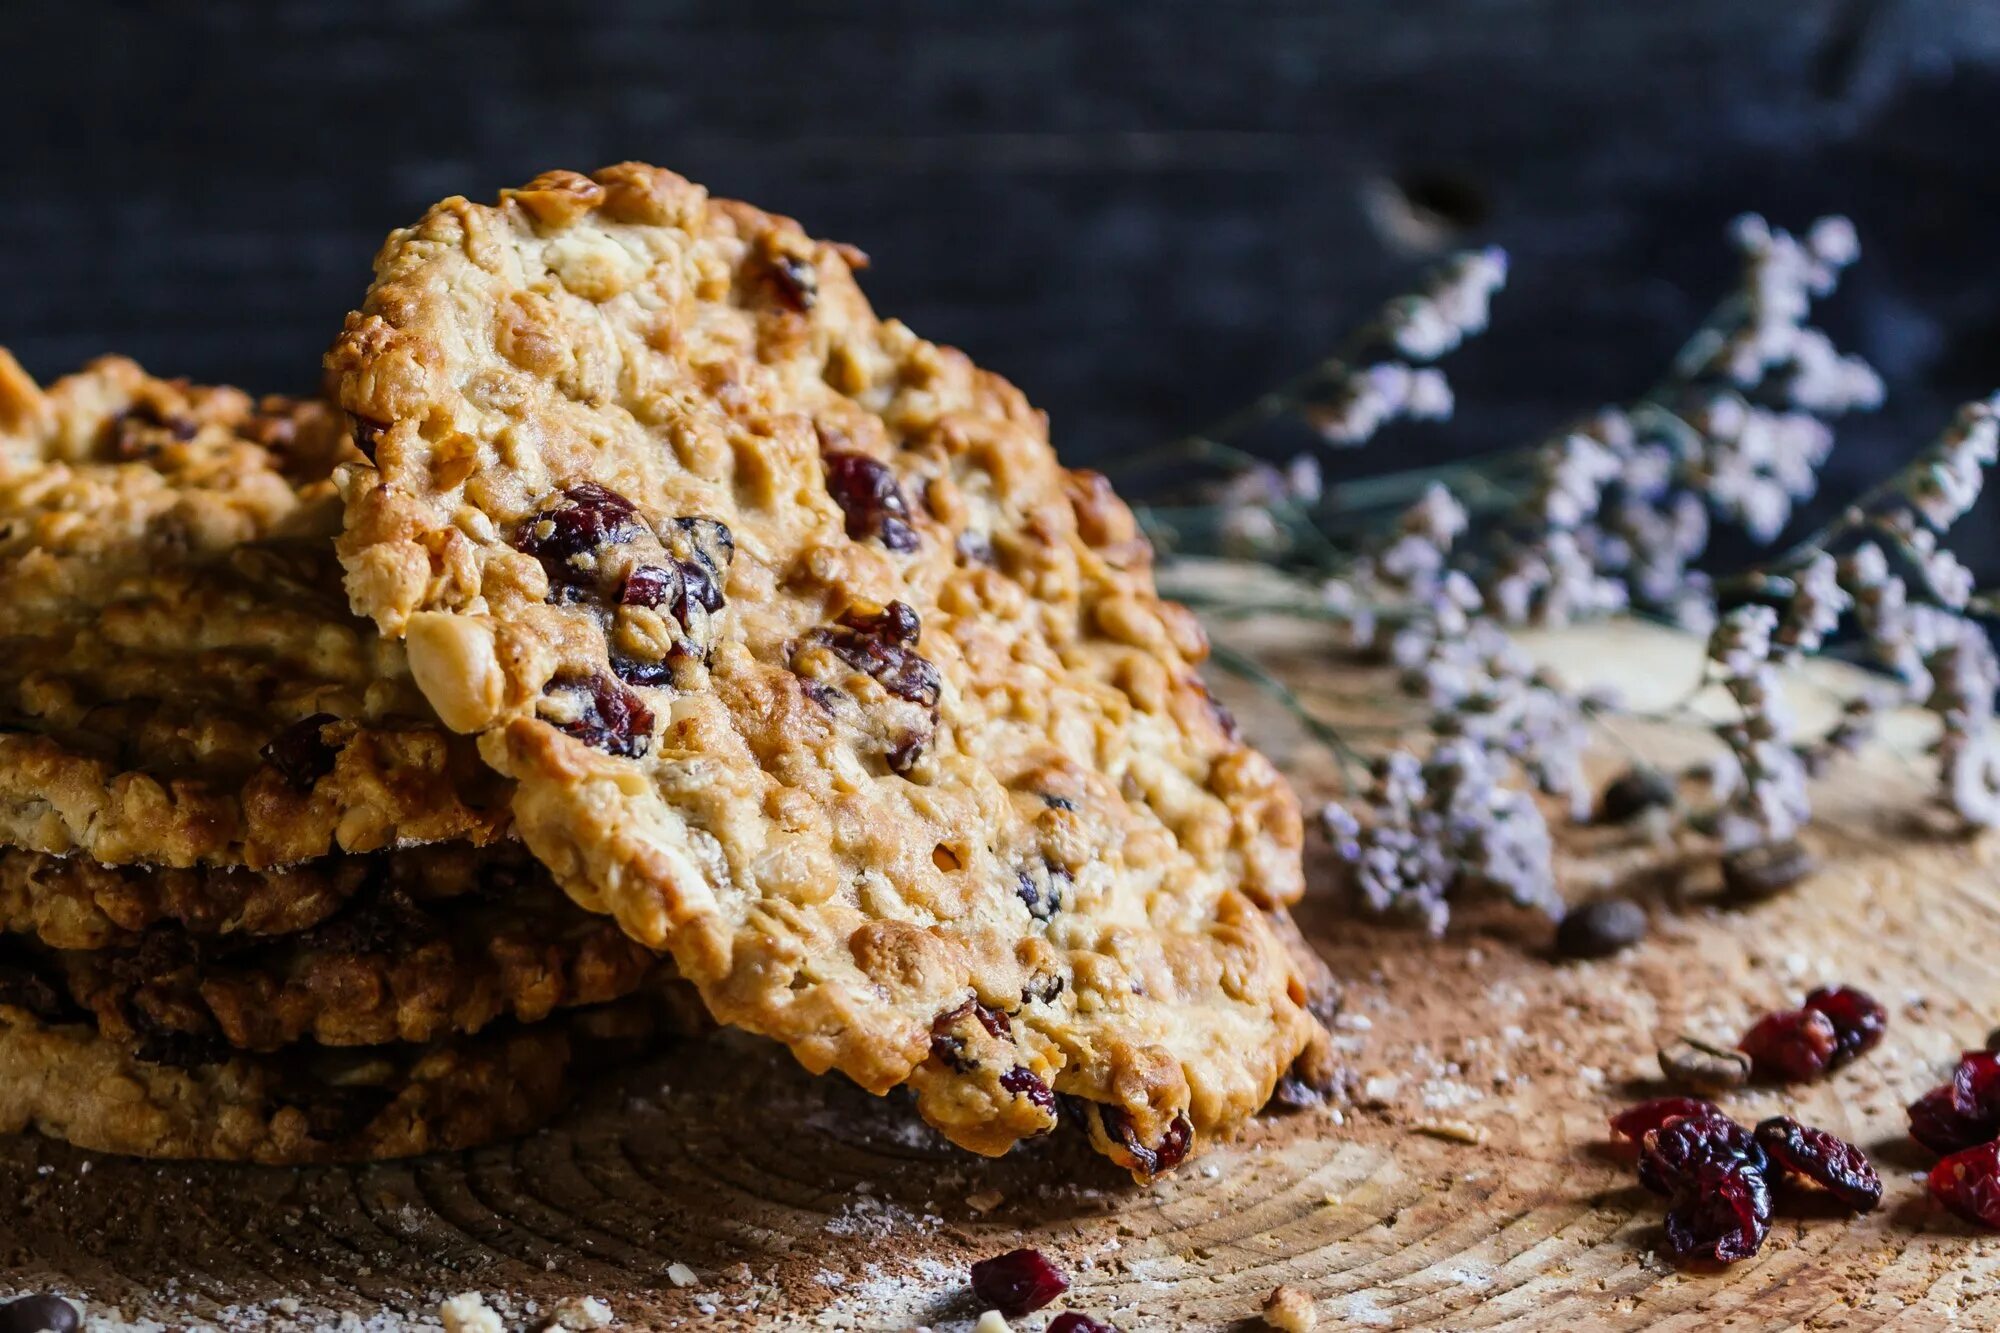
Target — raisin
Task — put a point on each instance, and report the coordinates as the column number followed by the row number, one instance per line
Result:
column 1632, row 793
column 1962, row 1112
column 867, row 493
column 1669, row 1155
column 794, row 282
column 1151, row 1161
column 1634, row 1121
column 1858, row 1021
column 567, row 534
column 598, row 711
column 299, row 753
column 1600, row 929
column 38, row 1313
column 368, row 434
column 1834, row 1164
column 1024, row 1082
column 1017, row 1283
column 1721, row 1213
column 1069, row 1321
column 1794, row 1046
column 1968, row 1183
column 1043, row 895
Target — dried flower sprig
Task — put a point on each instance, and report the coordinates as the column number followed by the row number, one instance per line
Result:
column 1616, row 512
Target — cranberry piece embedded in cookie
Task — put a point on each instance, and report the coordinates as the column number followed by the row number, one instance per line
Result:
column 598, row 711
column 867, row 493
column 1043, row 894
column 883, row 645
column 1017, row 1283
column 299, row 752
column 1023, row 1082
column 794, row 282
column 567, row 534
column 1154, row 1159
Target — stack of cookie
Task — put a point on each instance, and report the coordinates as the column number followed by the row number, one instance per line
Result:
column 257, row 904
column 778, row 636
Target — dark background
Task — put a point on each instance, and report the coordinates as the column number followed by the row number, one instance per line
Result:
column 1142, row 213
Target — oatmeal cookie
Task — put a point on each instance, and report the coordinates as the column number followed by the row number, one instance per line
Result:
column 385, row 968
column 73, row 902
column 308, row 1104
column 813, row 666
column 181, row 681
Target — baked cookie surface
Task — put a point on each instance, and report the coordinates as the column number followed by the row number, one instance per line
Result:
column 813, row 666
column 181, row 681
column 384, row 968
column 66, row 1080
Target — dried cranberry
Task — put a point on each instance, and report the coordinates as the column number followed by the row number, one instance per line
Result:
column 1968, row 1183
column 1858, row 1020
column 38, row 1313
column 1670, row 1155
column 867, row 493
column 1634, row 1121
column 650, row 586
column 1962, row 1112
column 1794, row 1046
column 567, row 534
column 601, row 712
column 882, row 644
column 1069, row 1321
column 1017, row 1283
column 1722, row 1213
column 301, row 756
column 1023, row 1082
column 949, row 1047
column 1173, row 1146
column 1835, row 1164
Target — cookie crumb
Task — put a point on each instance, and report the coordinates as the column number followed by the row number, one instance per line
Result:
column 1452, row 1131
column 681, row 1275
column 1290, row 1310
column 468, row 1312
column 991, row 1322
column 580, row 1313
column 985, row 1201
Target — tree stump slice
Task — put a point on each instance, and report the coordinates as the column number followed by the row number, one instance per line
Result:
column 1467, row 1183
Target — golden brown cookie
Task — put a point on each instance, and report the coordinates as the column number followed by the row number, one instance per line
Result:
column 181, row 681
column 310, row 1104
column 813, row 666
column 385, row 968
column 73, row 902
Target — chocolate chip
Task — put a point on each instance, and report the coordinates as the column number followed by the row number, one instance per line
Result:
column 1600, row 929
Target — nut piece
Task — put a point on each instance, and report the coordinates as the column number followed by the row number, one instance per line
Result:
column 453, row 661
column 1290, row 1310
column 1696, row 1065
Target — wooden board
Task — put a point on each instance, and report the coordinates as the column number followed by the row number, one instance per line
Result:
column 804, row 1203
